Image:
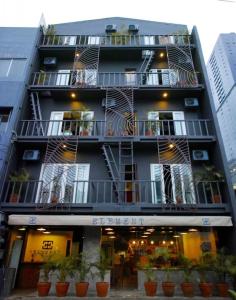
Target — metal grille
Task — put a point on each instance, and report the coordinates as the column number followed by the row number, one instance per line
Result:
column 182, row 71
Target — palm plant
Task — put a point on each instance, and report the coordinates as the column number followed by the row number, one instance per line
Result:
column 188, row 266
column 82, row 267
column 102, row 265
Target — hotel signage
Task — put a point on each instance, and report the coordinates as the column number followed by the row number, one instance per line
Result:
column 103, row 220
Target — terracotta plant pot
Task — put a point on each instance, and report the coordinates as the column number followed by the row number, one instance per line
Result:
column 187, row 289
column 62, row 288
column 150, row 288
column 81, row 289
column 223, row 288
column 43, row 288
column 149, row 132
column 14, row 198
column 102, row 289
column 206, row 289
column 216, row 199
column 168, row 288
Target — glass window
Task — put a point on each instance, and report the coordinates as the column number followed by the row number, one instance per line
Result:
column 5, row 113
column 4, row 67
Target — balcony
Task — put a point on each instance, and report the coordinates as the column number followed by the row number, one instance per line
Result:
column 107, row 195
column 144, row 129
column 114, row 40
column 92, row 79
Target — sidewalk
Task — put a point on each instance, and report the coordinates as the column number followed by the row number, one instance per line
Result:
column 113, row 294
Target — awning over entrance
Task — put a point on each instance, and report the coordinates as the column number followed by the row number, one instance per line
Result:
column 90, row 220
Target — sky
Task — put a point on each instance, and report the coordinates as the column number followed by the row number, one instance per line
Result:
column 211, row 17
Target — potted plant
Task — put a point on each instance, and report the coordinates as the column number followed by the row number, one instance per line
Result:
column 209, row 174
column 65, row 267
column 17, row 179
column 232, row 294
column 82, row 269
column 187, row 286
column 231, row 268
column 44, row 285
column 149, row 270
column 102, row 265
column 221, row 265
column 205, row 264
column 56, row 188
column 168, row 286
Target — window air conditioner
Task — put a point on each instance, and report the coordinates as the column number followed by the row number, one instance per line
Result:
column 31, row 155
column 50, row 61
column 108, row 103
column 133, row 28
column 191, row 102
column 111, row 28
column 200, row 155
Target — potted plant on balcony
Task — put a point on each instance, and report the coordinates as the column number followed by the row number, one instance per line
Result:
column 82, row 269
column 17, row 179
column 65, row 267
column 102, row 265
column 209, row 174
column 187, row 285
column 44, row 285
column 205, row 264
column 168, row 286
column 149, row 270
column 221, row 267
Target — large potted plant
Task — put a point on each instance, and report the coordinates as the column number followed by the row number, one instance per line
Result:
column 149, row 270
column 102, row 265
column 17, row 179
column 65, row 267
column 205, row 264
column 168, row 286
column 82, row 269
column 187, row 285
column 44, row 285
column 209, row 174
column 221, row 265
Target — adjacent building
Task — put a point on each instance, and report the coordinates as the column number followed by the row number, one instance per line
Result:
column 116, row 147
column 221, row 69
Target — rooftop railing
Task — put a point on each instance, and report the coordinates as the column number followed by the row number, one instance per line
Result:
column 90, row 78
column 100, row 128
column 98, row 192
column 114, row 40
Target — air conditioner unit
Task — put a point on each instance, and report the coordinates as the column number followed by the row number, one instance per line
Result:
column 200, row 155
column 31, row 155
column 111, row 28
column 133, row 28
column 108, row 103
column 50, row 61
column 191, row 102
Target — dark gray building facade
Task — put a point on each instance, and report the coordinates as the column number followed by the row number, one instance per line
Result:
column 116, row 147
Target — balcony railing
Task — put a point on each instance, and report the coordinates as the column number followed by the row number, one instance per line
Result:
column 90, row 129
column 92, row 79
column 98, row 192
column 114, row 40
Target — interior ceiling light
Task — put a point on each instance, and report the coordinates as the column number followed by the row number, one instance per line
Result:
column 73, row 95
column 150, row 229
column 152, row 242
column 46, row 232
column 171, row 146
column 142, row 242
column 183, row 233
column 171, row 242
column 144, row 236
column 134, row 242
column 22, row 228
column 192, row 229
column 163, row 242
column 18, row 236
column 165, row 95
column 64, row 146
column 41, row 229
column 108, row 229
column 176, row 236
column 110, row 232
column 77, row 54
column 163, row 231
column 162, row 54
column 112, row 237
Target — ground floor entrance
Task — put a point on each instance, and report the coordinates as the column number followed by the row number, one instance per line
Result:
column 126, row 241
